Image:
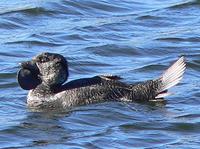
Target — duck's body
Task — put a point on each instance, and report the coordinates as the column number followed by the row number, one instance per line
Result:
column 47, row 73
column 78, row 92
column 90, row 90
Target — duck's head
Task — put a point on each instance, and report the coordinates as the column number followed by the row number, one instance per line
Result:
column 49, row 69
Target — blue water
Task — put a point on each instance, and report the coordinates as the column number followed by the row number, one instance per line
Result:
column 135, row 39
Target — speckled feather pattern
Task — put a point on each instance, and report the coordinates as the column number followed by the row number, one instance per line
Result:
column 52, row 94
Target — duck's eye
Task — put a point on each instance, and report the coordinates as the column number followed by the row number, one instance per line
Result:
column 43, row 59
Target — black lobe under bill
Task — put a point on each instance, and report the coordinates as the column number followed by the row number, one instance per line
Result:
column 27, row 79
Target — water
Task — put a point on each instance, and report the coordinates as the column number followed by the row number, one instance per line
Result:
column 134, row 39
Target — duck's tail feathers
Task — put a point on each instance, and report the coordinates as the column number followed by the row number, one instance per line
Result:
column 171, row 77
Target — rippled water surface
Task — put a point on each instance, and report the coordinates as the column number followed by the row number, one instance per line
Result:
column 131, row 38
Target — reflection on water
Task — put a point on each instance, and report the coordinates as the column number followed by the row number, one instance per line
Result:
column 136, row 40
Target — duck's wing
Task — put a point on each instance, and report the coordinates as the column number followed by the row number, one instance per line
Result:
column 110, row 77
column 101, row 79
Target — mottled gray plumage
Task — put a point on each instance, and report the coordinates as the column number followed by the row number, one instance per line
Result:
column 50, row 71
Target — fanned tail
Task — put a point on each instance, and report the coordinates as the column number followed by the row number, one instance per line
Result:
column 171, row 77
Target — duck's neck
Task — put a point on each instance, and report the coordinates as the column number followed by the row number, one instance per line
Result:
column 44, row 89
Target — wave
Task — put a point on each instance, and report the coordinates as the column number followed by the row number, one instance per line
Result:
column 113, row 50
column 35, row 42
column 168, row 126
column 185, row 4
column 152, row 67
